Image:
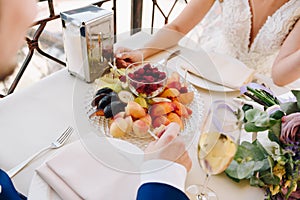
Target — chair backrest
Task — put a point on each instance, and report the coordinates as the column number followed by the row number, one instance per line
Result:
column 165, row 15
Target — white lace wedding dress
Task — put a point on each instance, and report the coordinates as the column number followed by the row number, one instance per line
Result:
column 226, row 29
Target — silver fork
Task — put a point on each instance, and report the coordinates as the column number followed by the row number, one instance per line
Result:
column 59, row 142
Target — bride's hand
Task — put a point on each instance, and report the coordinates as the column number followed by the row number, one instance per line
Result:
column 125, row 57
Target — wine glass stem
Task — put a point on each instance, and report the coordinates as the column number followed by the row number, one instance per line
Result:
column 202, row 195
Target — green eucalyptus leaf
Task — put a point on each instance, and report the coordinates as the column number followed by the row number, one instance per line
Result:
column 269, row 178
column 273, row 149
column 278, row 114
column 258, row 117
column 289, row 166
column 249, row 158
column 250, row 151
column 297, row 95
column 239, row 171
column 276, row 131
column 268, row 163
column 259, row 165
column 246, row 107
column 231, row 170
column 234, row 179
column 289, row 107
column 263, row 120
column 254, row 181
column 253, row 115
column 260, row 147
column 251, row 127
column 245, row 169
column 243, row 153
column 273, row 122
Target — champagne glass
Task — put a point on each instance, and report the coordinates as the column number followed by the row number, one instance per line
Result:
column 217, row 145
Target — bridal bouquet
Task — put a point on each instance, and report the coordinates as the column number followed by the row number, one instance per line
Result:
column 272, row 164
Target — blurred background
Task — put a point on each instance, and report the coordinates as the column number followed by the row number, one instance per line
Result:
column 51, row 39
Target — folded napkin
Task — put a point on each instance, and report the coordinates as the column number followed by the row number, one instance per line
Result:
column 217, row 68
column 74, row 174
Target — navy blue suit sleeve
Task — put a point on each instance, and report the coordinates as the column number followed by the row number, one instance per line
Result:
column 159, row 191
column 8, row 191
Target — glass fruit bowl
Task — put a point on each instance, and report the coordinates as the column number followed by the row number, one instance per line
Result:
column 146, row 79
column 102, row 125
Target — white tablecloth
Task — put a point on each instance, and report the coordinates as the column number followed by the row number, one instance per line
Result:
column 31, row 118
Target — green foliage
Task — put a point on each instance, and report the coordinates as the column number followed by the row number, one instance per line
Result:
column 297, row 95
column 264, row 166
column 249, row 159
column 257, row 121
column 292, row 107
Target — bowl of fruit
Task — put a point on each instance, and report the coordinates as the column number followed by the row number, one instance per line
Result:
column 146, row 79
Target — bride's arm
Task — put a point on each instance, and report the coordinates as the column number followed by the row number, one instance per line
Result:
column 286, row 67
column 170, row 34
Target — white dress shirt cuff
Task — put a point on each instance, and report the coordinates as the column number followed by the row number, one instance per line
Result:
column 164, row 171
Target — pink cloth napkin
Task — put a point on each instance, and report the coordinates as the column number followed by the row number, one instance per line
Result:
column 74, row 174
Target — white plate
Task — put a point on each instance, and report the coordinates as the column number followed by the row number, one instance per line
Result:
column 217, row 59
column 40, row 190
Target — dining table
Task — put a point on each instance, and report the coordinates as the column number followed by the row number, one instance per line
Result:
column 33, row 117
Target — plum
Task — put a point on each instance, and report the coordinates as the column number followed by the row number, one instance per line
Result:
column 104, row 90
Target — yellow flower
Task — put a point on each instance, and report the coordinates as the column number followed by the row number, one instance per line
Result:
column 288, row 184
column 274, row 189
column 279, row 171
column 295, row 187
